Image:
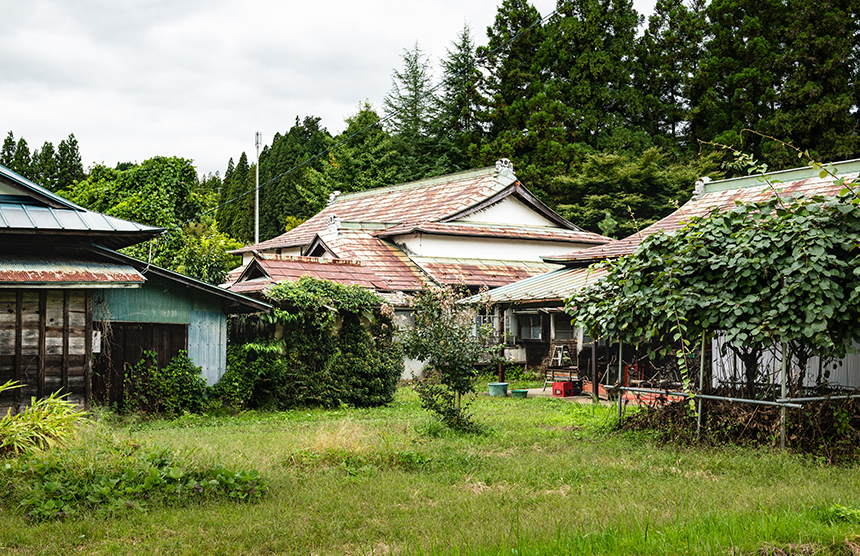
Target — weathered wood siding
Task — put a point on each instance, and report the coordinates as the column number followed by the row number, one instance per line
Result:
column 45, row 344
column 123, row 346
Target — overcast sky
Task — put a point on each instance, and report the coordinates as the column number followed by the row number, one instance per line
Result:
column 134, row 79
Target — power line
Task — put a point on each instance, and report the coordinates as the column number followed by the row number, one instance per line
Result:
column 379, row 122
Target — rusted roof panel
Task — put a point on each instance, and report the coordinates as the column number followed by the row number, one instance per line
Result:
column 33, row 270
column 550, row 287
column 419, row 201
column 277, row 268
column 724, row 195
column 504, row 232
column 394, row 270
column 473, row 272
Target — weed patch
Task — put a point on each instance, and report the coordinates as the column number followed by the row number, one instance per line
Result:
column 115, row 477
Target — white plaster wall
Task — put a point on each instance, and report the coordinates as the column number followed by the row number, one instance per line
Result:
column 510, row 211
column 432, row 245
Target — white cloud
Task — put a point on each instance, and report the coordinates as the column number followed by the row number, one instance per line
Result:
column 197, row 78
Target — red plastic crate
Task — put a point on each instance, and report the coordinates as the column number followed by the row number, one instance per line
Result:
column 562, row 389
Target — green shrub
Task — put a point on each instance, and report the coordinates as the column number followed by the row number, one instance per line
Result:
column 169, row 391
column 42, row 425
column 111, row 476
column 307, row 361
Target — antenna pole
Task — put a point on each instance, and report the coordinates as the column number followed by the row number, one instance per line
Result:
column 257, row 140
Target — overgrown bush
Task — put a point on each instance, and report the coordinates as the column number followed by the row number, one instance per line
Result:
column 109, row 476
column 43, row 424
column 169, row 391
column 305, row 360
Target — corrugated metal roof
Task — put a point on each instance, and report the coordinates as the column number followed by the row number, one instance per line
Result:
column 478, row 272
column 37, row 210
column 393, row 269
column 724, row 195
column 549, row 287
column 504, row 232
column 34, row 270
column 277, row 268
column 420, row 201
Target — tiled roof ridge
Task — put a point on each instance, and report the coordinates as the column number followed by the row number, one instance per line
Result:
column 426, row 182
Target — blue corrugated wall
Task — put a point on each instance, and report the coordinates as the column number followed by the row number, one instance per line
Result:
column 161, row 301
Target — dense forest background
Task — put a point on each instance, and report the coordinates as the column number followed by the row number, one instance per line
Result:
column 608, row 118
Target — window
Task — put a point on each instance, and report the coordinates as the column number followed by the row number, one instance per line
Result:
column 563, row 329
column 530, row 326
column 491, row 321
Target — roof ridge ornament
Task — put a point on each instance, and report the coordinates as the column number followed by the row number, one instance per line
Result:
column 505, row 172
column 699, row 190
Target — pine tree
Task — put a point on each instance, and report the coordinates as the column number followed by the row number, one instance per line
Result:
column 45, row 166
column 410, row 109
column 69, row 167
column 456, row 125
column 7, row 155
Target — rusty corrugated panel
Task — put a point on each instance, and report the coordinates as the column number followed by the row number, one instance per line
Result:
column 504, row 232
column 32, row 270
column 420, row 201
column 722, row 195
column 393, row 269
column 472, row 272
column 550, row 287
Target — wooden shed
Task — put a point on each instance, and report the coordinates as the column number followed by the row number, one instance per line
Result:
column 62, row 282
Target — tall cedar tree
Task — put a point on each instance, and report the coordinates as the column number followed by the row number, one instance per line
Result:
column 668, row 54
column 515, row 115
column 22, row 162
column 69, row 167
column 236, row 218
column 591, row 49
column 300, row 193
column 818, row 105
column 7, row 154
column 457, row 125
column 739, row 82
column 45, row 166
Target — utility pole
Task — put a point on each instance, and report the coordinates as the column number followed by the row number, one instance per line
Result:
column 257, row 140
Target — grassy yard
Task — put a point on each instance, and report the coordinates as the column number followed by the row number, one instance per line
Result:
column 546, row 479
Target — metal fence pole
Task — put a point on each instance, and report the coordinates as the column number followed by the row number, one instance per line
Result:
column 701, row 382
column 782, row 410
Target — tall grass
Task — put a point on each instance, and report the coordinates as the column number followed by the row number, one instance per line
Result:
column 43, row 424
column 547, row 479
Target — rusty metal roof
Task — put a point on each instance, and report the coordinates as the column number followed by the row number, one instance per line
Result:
column 394, row 270
column 724, row 195
column 547, row 288
column 414, row 203
column 266, row 270
column 35, row 270
column 505, row 232
column 479, row 272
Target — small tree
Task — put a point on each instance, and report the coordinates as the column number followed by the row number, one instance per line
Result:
column 448, row 339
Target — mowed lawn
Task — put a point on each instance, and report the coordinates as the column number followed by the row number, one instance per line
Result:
column 548, row 478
